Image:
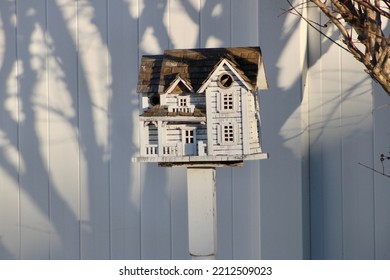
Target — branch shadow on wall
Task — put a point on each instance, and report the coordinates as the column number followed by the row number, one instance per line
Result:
column 75, row 238
column 109, row 184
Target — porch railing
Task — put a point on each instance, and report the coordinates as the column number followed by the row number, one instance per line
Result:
column 169, row 151
column 152, row 150
column 179, row 109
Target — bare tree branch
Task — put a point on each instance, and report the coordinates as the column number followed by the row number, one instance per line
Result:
column 360, row 24
column 376, row 171
column 309, row 22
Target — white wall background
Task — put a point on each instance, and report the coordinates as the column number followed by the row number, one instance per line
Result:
column 68, row 130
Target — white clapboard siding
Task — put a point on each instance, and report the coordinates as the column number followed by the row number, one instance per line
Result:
column 69, row 127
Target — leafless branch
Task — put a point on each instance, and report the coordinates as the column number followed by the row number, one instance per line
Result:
column 376, row 171
column 314, row 25
column 359, row 22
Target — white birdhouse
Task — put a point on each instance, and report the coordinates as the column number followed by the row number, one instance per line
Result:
column 201, row 106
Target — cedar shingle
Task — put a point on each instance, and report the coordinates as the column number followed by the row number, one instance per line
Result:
column 195, row 65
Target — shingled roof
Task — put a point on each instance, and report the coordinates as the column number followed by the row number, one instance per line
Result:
column 157, row 72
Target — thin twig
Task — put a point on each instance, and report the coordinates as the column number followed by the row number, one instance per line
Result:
column 316, row 28
column 372, row 169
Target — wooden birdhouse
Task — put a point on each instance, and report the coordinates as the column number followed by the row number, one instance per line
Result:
column 201, row 106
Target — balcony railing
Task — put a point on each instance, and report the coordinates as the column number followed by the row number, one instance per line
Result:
column 179, row 109
column 151, row 150
column 169, row 151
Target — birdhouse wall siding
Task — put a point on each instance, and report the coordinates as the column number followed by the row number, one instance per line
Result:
column 217, row 116
column 174, row 133
column 254, row 127
column 171, row 99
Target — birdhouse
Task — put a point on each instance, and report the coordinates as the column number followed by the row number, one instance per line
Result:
column 201, row 106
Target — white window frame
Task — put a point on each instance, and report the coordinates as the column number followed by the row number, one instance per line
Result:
column 232, row 137
column 182, row 100
column 189, row 134
column 227, row 101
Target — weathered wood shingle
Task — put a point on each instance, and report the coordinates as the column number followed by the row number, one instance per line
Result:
column 149, row 73
column 195, row 65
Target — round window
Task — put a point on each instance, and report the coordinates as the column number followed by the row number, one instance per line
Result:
column 225, row 80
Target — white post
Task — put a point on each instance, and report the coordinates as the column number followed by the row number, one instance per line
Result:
column 202, row 218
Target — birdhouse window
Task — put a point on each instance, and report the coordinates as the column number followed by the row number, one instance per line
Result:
column 225, row 80
column 228, row 133
column 183, row 102
column 189, row 136
column 227, row 101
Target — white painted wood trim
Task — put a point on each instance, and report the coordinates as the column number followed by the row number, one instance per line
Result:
column 202, row 218
column 143, row 137
column 210, row 148
column 176, row 82
column 245, row 123
column 161, row 137
column 175, row 118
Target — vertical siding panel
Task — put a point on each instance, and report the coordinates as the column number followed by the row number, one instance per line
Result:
column 325, row 146
column 124, row 176
column 282, row 177
column 342, row 195
column 63, row 129
column 331, row 154
column 94, row 98
column 381, row 114
column 184, row 23
column 9, row 122
column 215, row 24
column 246, row 181
column 315, row 131
column 225, row 224
column 179, row 214
column 33, row 133
column 156, row 192
column 358, row 189
column 183, row 33
column 245, row 23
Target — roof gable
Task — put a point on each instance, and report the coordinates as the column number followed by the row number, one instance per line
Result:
column 239, row 74
column 179, row 85
column 157, row 73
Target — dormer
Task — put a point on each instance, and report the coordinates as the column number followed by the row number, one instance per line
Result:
column 177, row 96
column 179, row 85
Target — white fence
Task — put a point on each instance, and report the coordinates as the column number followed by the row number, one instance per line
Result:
column 69, row 127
